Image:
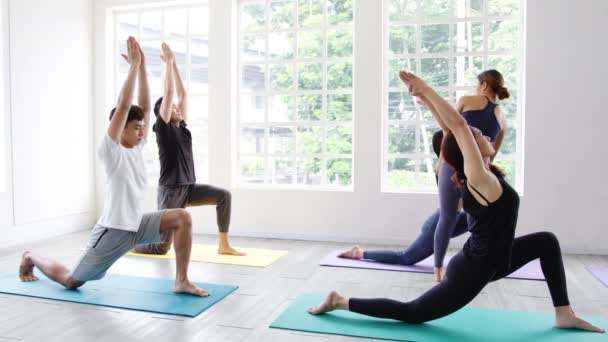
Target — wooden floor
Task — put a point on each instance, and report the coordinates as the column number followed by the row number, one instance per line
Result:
column 262, row 295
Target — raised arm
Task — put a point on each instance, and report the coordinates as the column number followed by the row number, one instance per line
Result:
column 474, row 166
column 119, row 120
column 424, row 101
column 143, row 98
column 167, row 105
column 182, row 95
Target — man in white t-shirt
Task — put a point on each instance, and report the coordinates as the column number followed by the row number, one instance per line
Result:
column 123, row 224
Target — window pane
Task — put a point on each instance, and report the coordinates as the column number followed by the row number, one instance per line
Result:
column 281, row 140
column 199, row 80
column 310, row 76
column 289, row 86
column 252, row 108
column 175, row 23
column 509, row 167
column 339, row 12
column 503, row 36
column 401, row 106
column 199, row 50
column 339, row 140
column 339, row 75
column 253, row 46
column 198, row 109
column 401, row 10
column 467, row 8
column 282, row 170
column 127, row 26
column 339, row 43
column 401, row 139
column 152, row 52
column 309, row 140
column 281, row 108
column 253, row 17
column 281, row 45
column 282, row 15
column 468, row 37
column 507, row 65
column 339, row 171
column 509, row 106
column 503, row 7
column 310, row 12
column 310, row 107
column 435, row 71
column 435, row 8
column 310, row 44
column 309, row 171
column 435, row 38
column 339, row 107
column 509, row 143
column 252, row 169
column 281, row 77
column 401, row 173
column 402, row 39
column 199, row 21
column 426, row 177
column 179, row 50
column 150, row 25
column 466, row 69
column 396, row 65
column 253, row 77
column 427, row 130
column 252, row 140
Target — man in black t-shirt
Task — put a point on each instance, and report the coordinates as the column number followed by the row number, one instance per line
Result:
column 177, row 184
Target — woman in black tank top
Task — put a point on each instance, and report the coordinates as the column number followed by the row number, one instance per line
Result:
column 492, row 251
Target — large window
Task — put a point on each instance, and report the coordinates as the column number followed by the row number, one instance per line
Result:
column 185, row 29
column 447, row 42
column 295, row 99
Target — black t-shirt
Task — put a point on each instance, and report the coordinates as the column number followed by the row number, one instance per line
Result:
column 174, row 153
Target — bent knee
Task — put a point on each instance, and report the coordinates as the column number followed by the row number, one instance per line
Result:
column 550, row 239
column 73, row 284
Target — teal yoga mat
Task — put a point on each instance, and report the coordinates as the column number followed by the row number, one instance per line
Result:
column 121, row 291
column 468, row 324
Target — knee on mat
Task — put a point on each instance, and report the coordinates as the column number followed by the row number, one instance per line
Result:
column 72, row 284
column 164, row 248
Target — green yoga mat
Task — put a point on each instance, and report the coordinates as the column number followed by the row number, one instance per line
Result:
column 468, row 324
column 121, row 291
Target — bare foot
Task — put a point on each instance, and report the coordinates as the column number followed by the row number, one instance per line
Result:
column 26, row 268
column 439, row 274
column 569, row 320
column 354, row 253
column 333, row 301
column 230, row 251
column 188, row 287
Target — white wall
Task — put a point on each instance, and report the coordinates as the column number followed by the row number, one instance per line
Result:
column 562, row 191
column 50, row 97
column 566, row 122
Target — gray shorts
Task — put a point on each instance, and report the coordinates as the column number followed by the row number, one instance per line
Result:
column 106, row 245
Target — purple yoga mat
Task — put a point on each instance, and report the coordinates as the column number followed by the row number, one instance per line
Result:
column 530, row 271
column 600, row 273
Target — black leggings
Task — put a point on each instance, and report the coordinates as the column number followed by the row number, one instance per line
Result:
column 466, row 277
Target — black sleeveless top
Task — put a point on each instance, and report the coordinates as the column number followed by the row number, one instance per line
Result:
column 492, row 227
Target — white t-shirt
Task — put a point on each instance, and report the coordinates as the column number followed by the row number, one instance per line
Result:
column 126, row 185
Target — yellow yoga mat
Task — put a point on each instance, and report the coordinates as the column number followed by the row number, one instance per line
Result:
column 208, row 253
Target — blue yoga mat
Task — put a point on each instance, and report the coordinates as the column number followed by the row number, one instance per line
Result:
column 121, row 291
column 468, row 324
